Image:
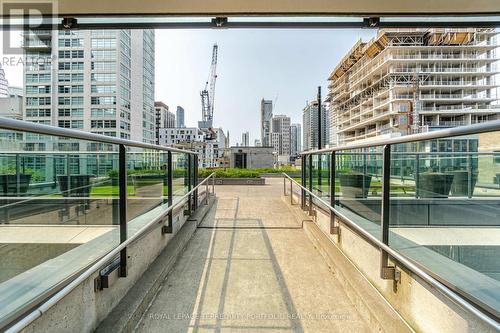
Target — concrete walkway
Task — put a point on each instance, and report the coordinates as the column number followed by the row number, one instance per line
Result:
column 251, row 268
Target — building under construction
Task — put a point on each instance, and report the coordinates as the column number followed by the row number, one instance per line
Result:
column 414, row 80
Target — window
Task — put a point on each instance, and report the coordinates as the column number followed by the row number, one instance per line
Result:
column 103, row 100
column 67, row 112
column 103, row 112
column 38, row 89
column 103, row 123
column 103, row 43
column 103, row 54
column 64, row 123
column 34, row 78
column 77, row 124
column 38, row 101
column 103, row 65
column 103, row 89
column 70, row 100
column 103, row 77
column 38, row 113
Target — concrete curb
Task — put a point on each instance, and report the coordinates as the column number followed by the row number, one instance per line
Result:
column 370, row 304
column 125, row 316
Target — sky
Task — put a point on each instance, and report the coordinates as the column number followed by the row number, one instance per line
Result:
column 285, row 66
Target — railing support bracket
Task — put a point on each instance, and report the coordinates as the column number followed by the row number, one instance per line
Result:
column 390, row 273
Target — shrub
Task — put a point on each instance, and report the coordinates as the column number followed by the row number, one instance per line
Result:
column 229, row 173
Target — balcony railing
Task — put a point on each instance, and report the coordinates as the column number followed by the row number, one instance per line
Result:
column 82, row 199
column 429, row 202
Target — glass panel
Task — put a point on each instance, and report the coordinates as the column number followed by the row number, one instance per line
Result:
column 180, row 175
column 321, row 175
column 358, row 186
column 58, row 211
column 146, row 180
column 445, row 208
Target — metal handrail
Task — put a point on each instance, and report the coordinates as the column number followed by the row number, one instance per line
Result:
column 488, row 126
column 55, row 298
column 407, row 263
column 26, row 126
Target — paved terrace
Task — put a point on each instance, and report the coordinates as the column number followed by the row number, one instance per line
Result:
column 250, row 267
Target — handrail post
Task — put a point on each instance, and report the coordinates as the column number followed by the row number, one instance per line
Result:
column 18, row 176
column 213, row 185
column 386, row 272
column 122, row 181
column 169, row 227
column 310, row 183
column 417, row 174
column 291, row 192
column 303, row 182
column 470, row 189
column 189, row 181
column 334, row 230
column 195, row 181
column 284, row 186
column 206, row 192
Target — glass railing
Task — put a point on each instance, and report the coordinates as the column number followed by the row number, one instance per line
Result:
column 441, row 196
column 69, row 198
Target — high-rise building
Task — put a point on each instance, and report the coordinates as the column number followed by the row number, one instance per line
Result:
column 414, row 80
column 82, row 79
column 310, row 123
column 266, row 113
column 11, row 106
column 4, row 84
column 143, row 115
column 280, row 137
column 295, row 140
column 164, row 118
column 179, row 116
column 245, row 139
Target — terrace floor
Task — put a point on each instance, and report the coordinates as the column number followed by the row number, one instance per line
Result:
column 251, row 268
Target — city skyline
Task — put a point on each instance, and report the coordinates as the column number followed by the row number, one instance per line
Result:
column 288, row 73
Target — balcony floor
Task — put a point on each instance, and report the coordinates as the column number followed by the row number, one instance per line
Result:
column 251, row 268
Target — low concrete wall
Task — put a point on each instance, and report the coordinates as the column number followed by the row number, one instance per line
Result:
column 240, row 181
column 83, row 309
column 425, row 309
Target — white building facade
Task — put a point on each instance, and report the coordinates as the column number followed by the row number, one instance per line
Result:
column 310, row 123
column 414, row 80
column 82, row 79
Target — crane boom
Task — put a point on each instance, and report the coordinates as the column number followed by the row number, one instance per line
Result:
column 208, row 96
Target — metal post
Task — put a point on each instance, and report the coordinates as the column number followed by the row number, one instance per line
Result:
column 122, row 181
column 170, row 187
column 365, row 171
column 470, row 189
column 417, row 174
column 310, row 176
column 284, row 186
column 18, row 176
column 195, row 181
column 334, row 230
column 189, row 180
column 206, row 192
column 291, row 192
column 386, row 272
column 319, row 118
column 303, row 181
column 213, row 185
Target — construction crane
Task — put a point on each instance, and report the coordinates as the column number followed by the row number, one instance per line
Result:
column 208, row 96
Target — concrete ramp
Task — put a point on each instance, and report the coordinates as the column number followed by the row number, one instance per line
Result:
column 251, row 268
